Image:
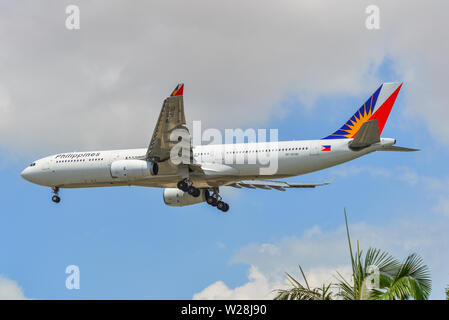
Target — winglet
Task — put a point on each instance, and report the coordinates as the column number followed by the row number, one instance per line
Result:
column 179, row 90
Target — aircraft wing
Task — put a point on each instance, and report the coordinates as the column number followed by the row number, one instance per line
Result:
column 172, row 117
column 277, row 185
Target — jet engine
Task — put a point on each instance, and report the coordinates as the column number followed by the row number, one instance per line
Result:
column 133, row 169
column 178, row 198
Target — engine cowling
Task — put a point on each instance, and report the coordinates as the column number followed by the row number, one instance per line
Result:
column 133, row 169
column 178, row 198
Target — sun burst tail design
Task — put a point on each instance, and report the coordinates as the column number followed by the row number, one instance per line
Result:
column 378, row 106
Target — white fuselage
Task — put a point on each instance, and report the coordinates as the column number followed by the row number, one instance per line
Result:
column 218, row 164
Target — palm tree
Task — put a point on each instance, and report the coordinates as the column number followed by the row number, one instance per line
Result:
column 394, row 280
column 299, row 292
column 375, row 276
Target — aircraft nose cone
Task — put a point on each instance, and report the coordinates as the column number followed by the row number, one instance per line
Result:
column 26, row 174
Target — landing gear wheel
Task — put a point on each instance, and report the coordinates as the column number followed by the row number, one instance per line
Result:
column 223, row 206
column 193, row 191
column 212, row 201
column 182, row 185
column 197, row 193
column 55, row 198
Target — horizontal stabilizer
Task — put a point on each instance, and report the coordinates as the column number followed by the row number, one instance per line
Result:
column 367, row 135
column 395, row 148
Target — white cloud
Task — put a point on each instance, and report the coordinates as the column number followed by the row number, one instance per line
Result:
column 102, row 86
column 316, row 277
column 263, row 287
column 322, row 254
column 10, row 290
column 258, row 287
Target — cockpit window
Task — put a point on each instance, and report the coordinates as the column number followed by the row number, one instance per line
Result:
column 33, row 164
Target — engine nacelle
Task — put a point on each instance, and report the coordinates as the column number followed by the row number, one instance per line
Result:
column 133, row 169
column 178, row 198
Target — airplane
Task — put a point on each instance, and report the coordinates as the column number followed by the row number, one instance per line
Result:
column 204, row 169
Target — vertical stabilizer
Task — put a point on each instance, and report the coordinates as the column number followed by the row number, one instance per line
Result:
column 378, row 107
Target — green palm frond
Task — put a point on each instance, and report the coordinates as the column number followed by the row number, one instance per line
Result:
column 346, row 290
column 300, row 292
column 411, row 281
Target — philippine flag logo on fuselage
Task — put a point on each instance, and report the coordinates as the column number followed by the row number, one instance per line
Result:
column 325, row 148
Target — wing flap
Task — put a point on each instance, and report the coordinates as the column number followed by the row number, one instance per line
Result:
column 277, row 185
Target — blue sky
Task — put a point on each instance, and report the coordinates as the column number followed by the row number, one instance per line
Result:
column 302, row 68
column 128, row 244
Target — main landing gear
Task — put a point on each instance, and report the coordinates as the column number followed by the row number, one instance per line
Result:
column 55, row 198
column 215, row 200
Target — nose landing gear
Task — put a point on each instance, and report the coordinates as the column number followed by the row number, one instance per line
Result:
column 55, row 198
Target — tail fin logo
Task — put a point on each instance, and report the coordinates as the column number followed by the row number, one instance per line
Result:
column 378, row 106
